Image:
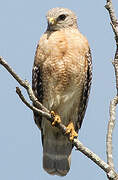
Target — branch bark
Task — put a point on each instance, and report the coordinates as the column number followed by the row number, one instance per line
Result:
column 114, row 24
column 111, row 125
column 114, row 102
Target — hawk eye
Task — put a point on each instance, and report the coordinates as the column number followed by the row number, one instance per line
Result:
column 62, row 17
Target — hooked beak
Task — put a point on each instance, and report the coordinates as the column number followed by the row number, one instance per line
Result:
column 52, row 21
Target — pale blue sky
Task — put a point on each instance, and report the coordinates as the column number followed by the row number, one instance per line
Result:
column 21, row 25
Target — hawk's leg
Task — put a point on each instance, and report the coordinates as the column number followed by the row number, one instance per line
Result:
column 56, row 118
column 70, row 130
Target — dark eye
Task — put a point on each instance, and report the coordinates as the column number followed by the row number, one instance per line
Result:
column 62, row 17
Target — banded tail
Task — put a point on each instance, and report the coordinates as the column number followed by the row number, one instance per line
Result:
column 56, row 153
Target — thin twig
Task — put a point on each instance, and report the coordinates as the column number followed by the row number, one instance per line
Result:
column 33, row 108
column 11, row 71
column 25, row 84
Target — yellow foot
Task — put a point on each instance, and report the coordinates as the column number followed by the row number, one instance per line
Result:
column 70, row 130
column 56, row 117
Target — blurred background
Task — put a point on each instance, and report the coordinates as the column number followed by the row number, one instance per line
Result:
column 21, row 25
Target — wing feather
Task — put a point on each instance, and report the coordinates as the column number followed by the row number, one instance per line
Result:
column 37, row 87
column 86, row 92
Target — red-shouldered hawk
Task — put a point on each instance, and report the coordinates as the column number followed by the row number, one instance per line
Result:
column 61, row 81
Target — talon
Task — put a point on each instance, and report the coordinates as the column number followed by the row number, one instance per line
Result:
column 56, row 118
column 70, row 130
column 52, row 114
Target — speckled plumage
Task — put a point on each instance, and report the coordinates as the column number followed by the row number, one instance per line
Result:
column 61, row 80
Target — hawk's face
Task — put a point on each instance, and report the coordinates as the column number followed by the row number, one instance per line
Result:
column 59, row 18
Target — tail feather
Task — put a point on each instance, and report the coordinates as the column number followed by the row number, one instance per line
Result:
column 56, row 153
column 56, row 166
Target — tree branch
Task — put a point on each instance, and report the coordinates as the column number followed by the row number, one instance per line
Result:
column 114, row 102
column 111, row 125
column 114, row 24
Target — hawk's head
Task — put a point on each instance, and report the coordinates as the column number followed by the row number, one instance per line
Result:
column 59, row 18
